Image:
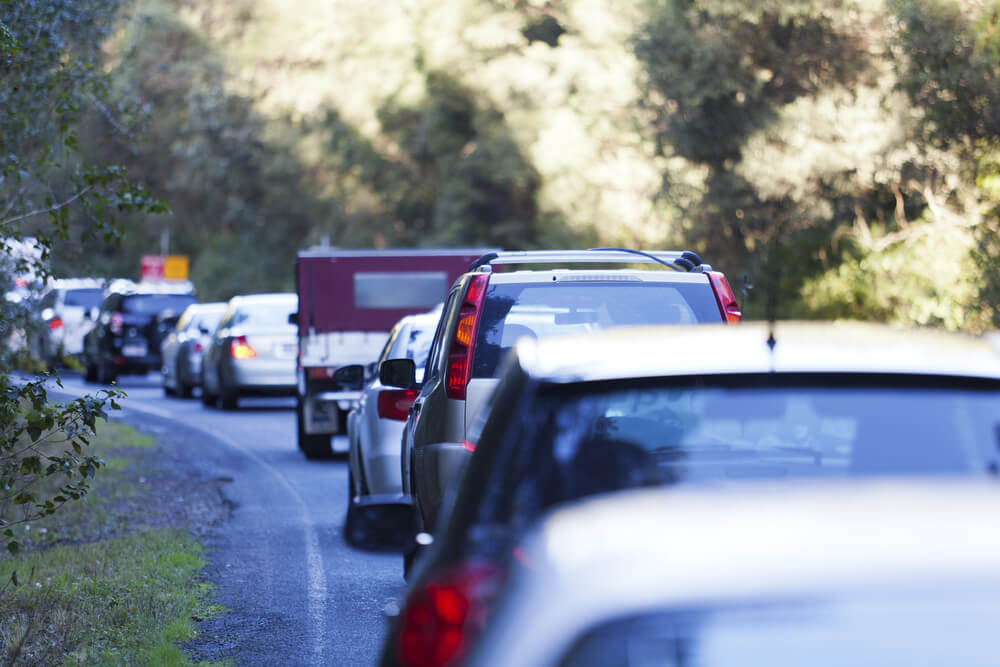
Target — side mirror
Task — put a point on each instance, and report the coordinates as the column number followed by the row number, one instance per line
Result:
column 382, row 523
column 350, row 377
column 398, row 373
column 204, row 331
column 293, row 318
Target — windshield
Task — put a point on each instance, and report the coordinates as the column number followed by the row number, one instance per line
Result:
column 582, row 441
column 547, row 309
column 940, row 627
column 86, row 297
column 152, row 304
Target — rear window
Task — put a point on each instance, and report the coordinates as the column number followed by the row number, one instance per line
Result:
column 88, row 297
column 580, row 441
column 542, row 309
column 273, row 315
column 937, row 627
column 153, row 304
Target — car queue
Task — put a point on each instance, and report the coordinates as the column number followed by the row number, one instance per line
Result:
column 586, row 455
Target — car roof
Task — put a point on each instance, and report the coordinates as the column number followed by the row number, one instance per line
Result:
column 798, row 347
column 632, row 275
column 273, row 297
column 677, row 547
column 422, row 320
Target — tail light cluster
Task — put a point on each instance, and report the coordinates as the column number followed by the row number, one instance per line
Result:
column 395, row 403
column 241, row 349
column 117, row 323
column 460, row 351
column 724, row 297
column 55, row 323
column 442, row 616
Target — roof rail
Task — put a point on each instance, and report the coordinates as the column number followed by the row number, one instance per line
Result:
column 676, row 260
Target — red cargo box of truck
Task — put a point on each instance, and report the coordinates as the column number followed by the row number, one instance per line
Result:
column 349, row 300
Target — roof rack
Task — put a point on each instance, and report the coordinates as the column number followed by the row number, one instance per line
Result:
column 676, row 260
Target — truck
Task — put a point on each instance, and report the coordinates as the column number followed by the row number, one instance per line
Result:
column 349, row 300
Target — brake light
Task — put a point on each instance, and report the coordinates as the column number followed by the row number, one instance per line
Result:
column 441, row 617
column 460, row 351
column 468, row 446
column 117, row 323
column 395, row 403
column 240, row 349
column 55, row 323
column 320, row 373
column 198, row 346
column 724, row 297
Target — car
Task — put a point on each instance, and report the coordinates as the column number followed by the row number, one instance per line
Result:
column 184, row 347
column 66, row 313
column 375, row 426
column 508, row 295
column 869, row 573
column 131, row 322
column 713, row 406
column 252, row 351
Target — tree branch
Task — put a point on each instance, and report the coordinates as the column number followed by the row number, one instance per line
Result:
column 48, row 209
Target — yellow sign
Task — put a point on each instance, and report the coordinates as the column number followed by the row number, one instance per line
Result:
column 175, row 267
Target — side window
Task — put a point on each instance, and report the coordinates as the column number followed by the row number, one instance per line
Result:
column 227, row 318
column 393, row 335
column 434, row 357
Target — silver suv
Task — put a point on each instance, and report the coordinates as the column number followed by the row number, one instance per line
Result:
column 507, row 295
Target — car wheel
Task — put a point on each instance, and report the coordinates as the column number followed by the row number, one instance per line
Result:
column 184, row 389
column 313, row 446
column 89, row 373
column 228, row 398
column 350, row 525
column 207, row 398
column 105, row 374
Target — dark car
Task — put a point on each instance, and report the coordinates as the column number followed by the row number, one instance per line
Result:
column 129, row 329
column 703, row 405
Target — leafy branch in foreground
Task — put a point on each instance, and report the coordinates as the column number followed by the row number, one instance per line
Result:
column 41, row 441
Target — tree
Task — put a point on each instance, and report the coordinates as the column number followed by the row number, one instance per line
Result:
column 50, row 76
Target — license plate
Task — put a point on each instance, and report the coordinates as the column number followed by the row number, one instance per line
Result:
column 134, row 350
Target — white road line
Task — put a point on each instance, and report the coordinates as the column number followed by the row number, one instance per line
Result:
column 317, row 591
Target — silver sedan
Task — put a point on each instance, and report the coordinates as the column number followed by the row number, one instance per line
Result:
column 253, row 351
column 184, row 347
column 375, row 426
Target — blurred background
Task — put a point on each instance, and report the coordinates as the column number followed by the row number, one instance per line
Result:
column 839, row 156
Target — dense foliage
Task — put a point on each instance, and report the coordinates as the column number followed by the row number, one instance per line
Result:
column 840, row 155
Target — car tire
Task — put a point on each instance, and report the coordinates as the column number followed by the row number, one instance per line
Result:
column 89, row 373
column 184, row 389
column 350, row 526
column 228, row 397
column 313, row 446
column 105, row 374
column 207, row 398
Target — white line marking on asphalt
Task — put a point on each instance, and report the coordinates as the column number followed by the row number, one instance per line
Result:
column 314, row 557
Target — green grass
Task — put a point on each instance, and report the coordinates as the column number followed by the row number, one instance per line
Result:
column 95, row 586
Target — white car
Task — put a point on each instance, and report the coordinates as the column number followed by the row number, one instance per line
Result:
column 67, row 313
column 375, row 426
column 878, row 573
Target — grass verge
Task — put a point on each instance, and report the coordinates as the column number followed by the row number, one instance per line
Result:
column 97, row 585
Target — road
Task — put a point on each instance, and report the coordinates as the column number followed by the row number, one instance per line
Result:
column 296, row 593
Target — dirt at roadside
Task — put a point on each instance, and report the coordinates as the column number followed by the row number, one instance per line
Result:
column 171, row 490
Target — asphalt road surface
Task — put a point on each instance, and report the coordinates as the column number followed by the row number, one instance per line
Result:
column 296, row 593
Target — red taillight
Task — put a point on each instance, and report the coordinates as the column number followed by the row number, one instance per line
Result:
column 460, row 351
column 320, row 373
column 117, row 323
column 468, row 446
column 724, row 297
column 55, row 323
column 198, row 346
column 442, row 615
column 240, row 349
column 395, row 403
